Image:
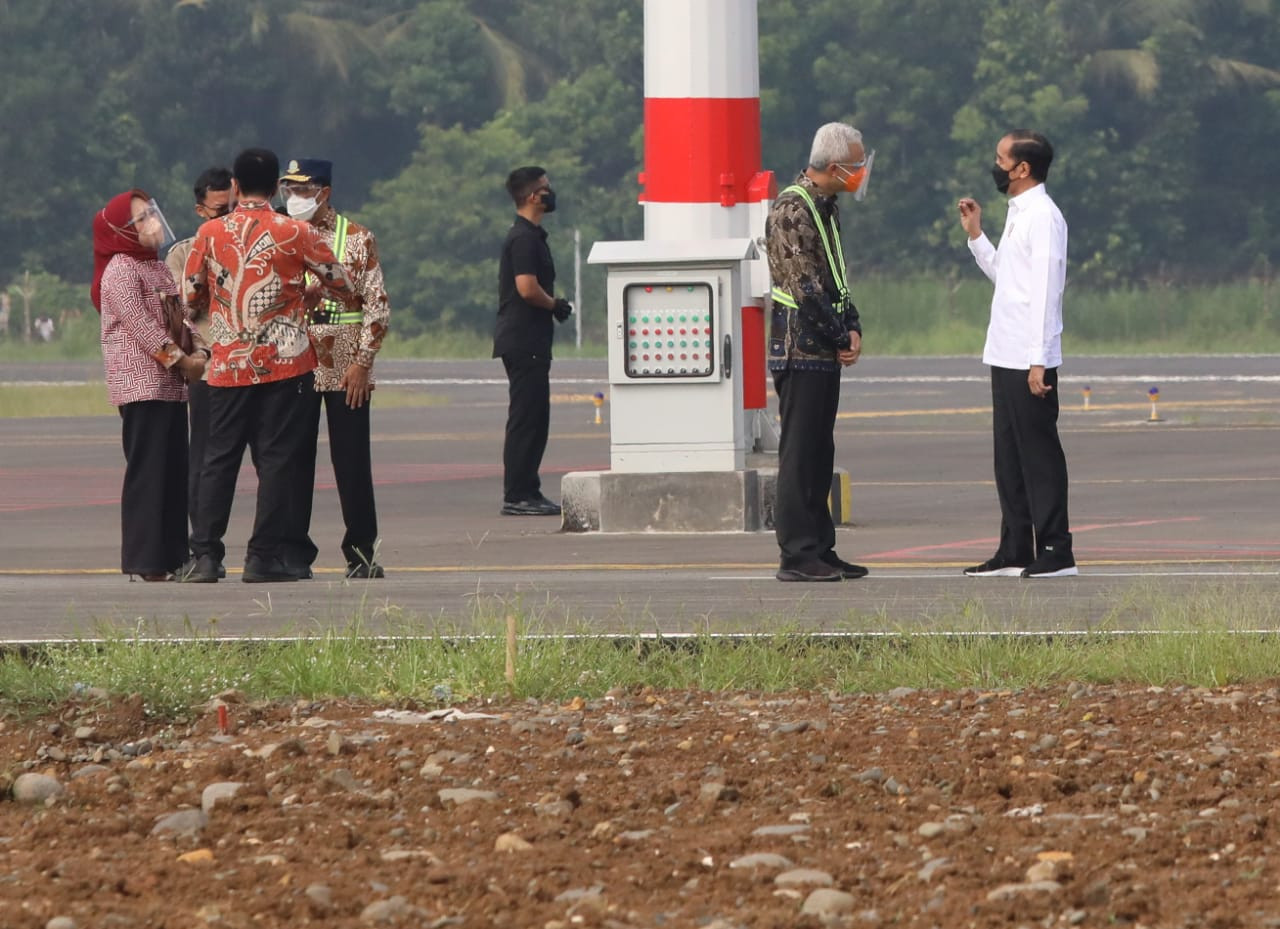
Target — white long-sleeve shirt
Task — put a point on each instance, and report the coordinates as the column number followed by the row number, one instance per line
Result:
column 1030, row 273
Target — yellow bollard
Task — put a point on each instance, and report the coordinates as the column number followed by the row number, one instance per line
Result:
column 1154, row 394
column 598, row 399
column 1087, row 392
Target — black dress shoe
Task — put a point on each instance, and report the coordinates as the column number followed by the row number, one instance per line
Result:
column 302, row 572
column 811, row 571
column 847, row 569
column 363, row 569
column 267, row 571
column 539, row 507
column 200, row 570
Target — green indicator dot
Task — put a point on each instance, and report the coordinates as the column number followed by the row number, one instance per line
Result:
column 644, row 319
column 684, row 344
column 633, row 345
column 689, row 288
column 645, row 345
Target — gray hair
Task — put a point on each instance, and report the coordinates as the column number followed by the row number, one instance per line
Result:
column 831, row 144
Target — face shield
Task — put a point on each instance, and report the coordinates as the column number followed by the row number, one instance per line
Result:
column 151, row 227
column 857, row 176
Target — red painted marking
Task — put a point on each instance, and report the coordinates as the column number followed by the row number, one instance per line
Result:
column 989, row 540
column 701, row 150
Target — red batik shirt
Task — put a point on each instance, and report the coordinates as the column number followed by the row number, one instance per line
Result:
column 248, row 269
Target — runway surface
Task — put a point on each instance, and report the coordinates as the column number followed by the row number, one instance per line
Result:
column 1162, row 512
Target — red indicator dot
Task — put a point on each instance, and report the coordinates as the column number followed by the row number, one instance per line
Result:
column 682, row 332
column 646, row 357
column 633, row 357
column 684, row 357
column 648, row 290
column 644, row 331
column 632, row 332
column 671, row 357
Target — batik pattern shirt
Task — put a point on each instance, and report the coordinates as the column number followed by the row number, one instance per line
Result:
column 807, row 337
column 248, row 270
column 338, row 346
column 139, row 351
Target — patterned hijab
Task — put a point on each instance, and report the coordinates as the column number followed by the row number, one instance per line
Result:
column 112, row 235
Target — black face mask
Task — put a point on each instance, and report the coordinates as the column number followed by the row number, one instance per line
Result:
column 1001, row 177
column 548, row 201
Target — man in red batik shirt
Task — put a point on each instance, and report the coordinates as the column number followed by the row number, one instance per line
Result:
column 249, row 270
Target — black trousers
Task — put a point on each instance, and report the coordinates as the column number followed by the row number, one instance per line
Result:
column 1030, row 467
column 266, row 418
column 198, row 408
column 528, row 424
column 807, row 402
column 352, row 471
column 153, row 500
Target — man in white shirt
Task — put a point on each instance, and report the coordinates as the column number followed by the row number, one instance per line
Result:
column 1024, row 349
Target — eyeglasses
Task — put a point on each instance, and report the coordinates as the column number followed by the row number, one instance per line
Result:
column 216, row 211
column 851, row 166
column 301, row 190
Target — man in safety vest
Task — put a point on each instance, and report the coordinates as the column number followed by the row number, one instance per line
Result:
column 814, row 332
column 346, row 343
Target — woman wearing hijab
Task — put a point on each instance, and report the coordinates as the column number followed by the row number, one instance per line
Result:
column 150, row 353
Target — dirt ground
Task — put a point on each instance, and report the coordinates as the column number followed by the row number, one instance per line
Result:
column 1073, row 806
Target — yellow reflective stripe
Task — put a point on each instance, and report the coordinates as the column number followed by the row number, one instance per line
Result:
column 837, row 270
column 339, row 314
column 781, row 296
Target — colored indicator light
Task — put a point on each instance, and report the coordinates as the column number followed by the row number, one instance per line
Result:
column 689, row 288
column 684, row 344
column 646, row 345
column 668, row 290
column 684, row 358
column 646, row 357
column 631, row 332
column 671, row 358
column 682, row 332
column 648, row 290
column 682, row 319
column 644, row 319
column 633, row 357
column 633, row 345
column 695, row 356
column 671, row 332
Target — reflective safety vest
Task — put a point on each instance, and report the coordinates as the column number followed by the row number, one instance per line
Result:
column 331, row 310
column 837, row 267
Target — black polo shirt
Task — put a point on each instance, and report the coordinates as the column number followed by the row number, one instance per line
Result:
column 523, row 328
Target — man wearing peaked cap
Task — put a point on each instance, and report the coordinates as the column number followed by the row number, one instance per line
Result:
column 346, row 342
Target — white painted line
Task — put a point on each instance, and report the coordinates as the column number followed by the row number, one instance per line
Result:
column 984, row 582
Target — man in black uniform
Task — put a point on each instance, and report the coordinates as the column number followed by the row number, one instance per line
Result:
column 522, row 339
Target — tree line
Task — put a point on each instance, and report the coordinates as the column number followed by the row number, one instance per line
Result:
column 1165, row 115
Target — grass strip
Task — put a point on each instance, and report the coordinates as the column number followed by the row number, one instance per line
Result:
column 1210, row 638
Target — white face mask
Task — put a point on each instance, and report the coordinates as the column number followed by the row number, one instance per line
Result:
column 301, row 207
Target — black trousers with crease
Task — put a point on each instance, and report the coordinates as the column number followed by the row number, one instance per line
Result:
column 807, row 402
column 268, row 420
column 528, row 425
column 1030, row 467
column 153, row 499
column 349, row 451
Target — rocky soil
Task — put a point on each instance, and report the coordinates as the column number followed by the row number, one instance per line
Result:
column 1072, row 806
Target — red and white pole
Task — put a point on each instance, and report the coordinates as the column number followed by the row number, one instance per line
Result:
column 702, row 174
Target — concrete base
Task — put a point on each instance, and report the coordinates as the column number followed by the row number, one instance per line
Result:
column 692, row 501
column 696, row 501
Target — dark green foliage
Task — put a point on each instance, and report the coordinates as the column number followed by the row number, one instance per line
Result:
column 1166, row 118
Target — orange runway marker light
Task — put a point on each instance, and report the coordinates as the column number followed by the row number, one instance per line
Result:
column 1088, row 391
column 598, row 399
column 1154, row 394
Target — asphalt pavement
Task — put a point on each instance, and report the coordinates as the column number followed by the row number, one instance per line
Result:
column 1162, row 511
